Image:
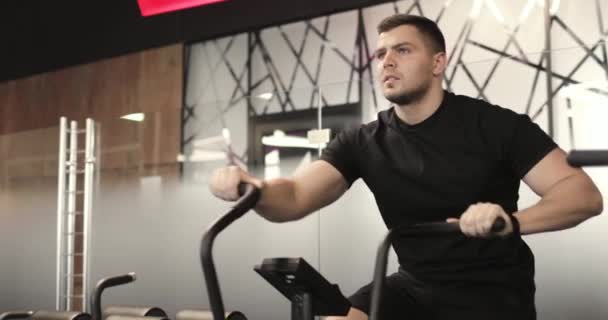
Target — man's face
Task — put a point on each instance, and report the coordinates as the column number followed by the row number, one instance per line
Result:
column 405, row 64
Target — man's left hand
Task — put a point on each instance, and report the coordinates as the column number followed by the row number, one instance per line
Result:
column 477, row 220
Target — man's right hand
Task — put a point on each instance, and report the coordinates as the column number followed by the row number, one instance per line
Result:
column 284, row 199
column 225, row 181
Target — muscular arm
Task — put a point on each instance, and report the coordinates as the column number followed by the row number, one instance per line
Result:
column 568, row 196
column 309, row 189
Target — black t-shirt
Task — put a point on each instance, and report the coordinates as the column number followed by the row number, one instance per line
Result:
column 468, row 151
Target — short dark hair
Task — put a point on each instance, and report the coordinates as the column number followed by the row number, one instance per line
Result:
column 428, row 28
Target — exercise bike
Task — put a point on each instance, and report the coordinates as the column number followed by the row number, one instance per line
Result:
column 96, row 313
column 310, row 294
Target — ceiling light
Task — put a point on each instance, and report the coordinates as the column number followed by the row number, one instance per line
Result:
column 137, row 117
column 554, row 7
column 495, row 11
column 476, row 9
column 526, row 11
column 265, row 96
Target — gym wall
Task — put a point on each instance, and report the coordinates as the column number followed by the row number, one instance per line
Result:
column 148, row 81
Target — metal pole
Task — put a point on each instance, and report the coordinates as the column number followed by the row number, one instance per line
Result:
column 548, row 49
column 60, row 207
column 319, row 152
column 87, row 209
column 320, row 115
column 71, row 206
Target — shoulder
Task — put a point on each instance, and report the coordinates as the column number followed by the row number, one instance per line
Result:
column 471, row 104
column 486, row 113
column 360, row 134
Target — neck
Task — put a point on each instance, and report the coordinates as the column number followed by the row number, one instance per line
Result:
column 421, row 109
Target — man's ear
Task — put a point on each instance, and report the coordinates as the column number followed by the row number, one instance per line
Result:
column 439, row 63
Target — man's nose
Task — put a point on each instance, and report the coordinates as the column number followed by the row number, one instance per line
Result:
column 388, row 61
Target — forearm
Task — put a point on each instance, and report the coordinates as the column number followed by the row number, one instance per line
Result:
column 568, row 203
column 278, row 202
column 309, row 189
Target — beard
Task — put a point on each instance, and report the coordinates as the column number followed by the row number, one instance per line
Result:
column 406, row 97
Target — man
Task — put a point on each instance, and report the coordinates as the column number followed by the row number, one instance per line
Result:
column 437, row 156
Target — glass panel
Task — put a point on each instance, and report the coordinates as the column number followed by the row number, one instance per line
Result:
column 581, row 109
column 28, row 199
column 150, row 215
column 347, row 257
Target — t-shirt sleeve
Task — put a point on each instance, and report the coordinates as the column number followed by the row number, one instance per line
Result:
column 341, row 153
column 528, row 144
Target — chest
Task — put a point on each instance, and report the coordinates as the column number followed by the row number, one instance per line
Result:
column 430, row 172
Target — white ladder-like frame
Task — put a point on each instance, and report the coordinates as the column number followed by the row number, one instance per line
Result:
column 66, row 213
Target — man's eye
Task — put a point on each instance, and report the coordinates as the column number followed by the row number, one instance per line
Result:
column 404, row 50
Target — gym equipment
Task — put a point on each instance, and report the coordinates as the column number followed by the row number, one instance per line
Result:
column 405, row 231
column 73, row 315
column 116, row 312
column 122, row 312
column 585, row 158
column 74, row 226
column 310, row 294
column 194, row 315
column 17, row 314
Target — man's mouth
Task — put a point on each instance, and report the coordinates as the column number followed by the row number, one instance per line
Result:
column 389, row 78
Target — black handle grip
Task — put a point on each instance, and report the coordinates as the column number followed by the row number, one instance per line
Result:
column 117, row 281
column 581, row 158
column 104, row 284
column 244, row 188
column 443, row 227
column 498, row 225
